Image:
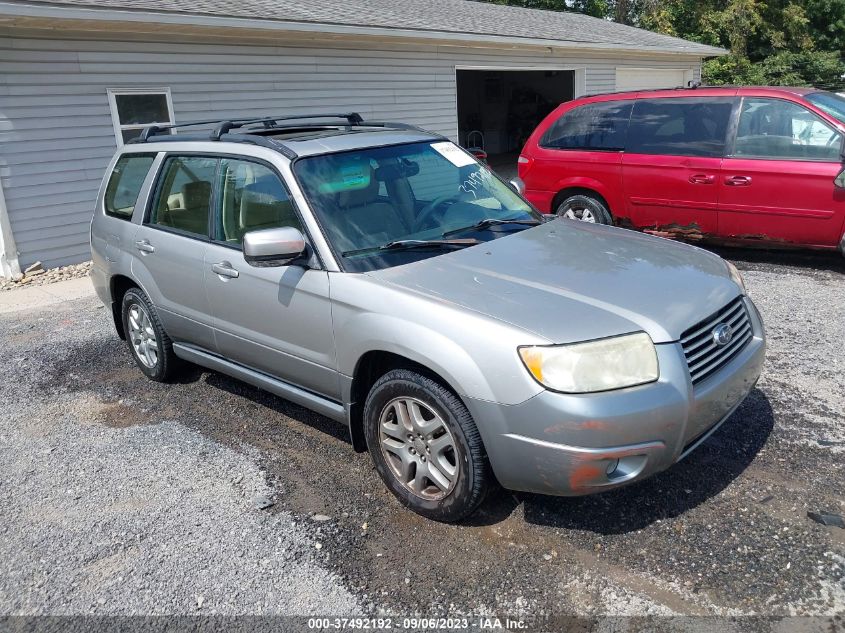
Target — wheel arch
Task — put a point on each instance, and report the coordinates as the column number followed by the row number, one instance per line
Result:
column 118, row 285
column 580, row 190
column 371, row 366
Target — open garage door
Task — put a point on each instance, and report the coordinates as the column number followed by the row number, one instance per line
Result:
column 651, row 78
column 499, row 109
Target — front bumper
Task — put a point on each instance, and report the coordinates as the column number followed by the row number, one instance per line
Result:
column 566, row 445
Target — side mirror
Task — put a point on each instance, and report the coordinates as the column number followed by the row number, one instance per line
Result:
column 273, row 247
column 517, row 185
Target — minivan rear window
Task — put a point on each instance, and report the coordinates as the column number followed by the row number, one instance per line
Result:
column 125, row 184
column 680, row 127
column 595, row 126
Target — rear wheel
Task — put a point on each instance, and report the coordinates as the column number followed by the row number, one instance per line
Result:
column 425, row 446
column 585, row 209
column 151, row 348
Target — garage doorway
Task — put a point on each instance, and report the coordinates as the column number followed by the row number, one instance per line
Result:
column 498, row 109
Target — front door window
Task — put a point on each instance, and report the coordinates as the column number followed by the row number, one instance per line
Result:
column 781, row 130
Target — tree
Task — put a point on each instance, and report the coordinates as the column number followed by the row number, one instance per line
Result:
column 773, row 42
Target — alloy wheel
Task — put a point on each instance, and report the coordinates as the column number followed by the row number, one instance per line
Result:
column 580, row 213
column 419, row 448
column 142, row 335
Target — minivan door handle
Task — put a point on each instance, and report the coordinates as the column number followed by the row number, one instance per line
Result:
column 145, row 247
column 738, row 181
column 702, row 179
column 224, row 269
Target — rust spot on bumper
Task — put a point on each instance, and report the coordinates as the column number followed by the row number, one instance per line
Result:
column 584, row 475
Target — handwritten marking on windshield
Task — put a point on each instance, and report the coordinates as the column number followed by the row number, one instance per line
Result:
column 479, row 179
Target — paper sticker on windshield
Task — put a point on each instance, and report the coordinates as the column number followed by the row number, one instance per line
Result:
column 454, row 154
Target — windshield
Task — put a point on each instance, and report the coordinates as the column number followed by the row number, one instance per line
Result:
column 831, row 103
column 370, row 201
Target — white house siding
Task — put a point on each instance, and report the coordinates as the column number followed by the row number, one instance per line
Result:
column 56, row 133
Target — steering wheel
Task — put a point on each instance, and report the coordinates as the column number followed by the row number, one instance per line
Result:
column 431, row 207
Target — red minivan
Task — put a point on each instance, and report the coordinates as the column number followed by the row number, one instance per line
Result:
column 743, row 165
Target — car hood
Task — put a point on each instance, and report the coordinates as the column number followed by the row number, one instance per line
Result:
column 570, row 281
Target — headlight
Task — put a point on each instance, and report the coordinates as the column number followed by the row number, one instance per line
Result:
column 611, row 363
column 737, row 278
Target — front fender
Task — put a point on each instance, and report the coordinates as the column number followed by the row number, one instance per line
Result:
column 377, row 332
column 476, row 354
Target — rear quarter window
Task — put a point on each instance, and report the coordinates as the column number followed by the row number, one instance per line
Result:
column 125, row 184
column 599, row 126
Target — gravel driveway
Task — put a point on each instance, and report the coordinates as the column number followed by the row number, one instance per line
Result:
column 122, row 496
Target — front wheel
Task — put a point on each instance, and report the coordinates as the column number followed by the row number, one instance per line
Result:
column 425, row 446
column 585, row 209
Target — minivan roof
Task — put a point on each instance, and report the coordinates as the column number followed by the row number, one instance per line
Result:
column 711, row 91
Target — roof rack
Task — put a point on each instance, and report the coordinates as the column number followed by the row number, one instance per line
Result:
column 256, row 135
column 691, row 85
column 223, row 126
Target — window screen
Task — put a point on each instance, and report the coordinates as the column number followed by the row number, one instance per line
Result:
column 125, row 184
column 595, row 126
column 252, row 198
column 778, row 129
column 184, row 194
column 680, row 127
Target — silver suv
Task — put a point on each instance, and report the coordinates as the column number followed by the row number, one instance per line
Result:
column 379, row 275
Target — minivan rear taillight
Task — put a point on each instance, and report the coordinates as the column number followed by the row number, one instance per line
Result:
column 523, row 165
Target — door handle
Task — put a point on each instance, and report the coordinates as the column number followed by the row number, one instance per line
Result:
column 702, row 179
column 738, row 181
column 145, row 247
column 224, row 269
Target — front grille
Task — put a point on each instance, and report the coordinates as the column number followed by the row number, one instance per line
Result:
column 703, row 355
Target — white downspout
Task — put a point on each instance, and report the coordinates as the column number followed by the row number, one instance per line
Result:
column 9, row 266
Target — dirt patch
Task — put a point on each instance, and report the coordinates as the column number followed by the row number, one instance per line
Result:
column 119, row 415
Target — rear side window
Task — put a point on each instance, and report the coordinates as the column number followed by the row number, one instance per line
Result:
column 125, row 184
column 184, row 194
column 680, row 127
column 595, row 126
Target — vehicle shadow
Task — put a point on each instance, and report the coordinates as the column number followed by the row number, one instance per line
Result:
column 751, row 258
column 277, row 404
column 701, row 476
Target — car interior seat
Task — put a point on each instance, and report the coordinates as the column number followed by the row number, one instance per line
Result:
column 263, row 208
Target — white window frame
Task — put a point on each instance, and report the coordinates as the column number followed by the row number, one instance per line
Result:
column 119, row 128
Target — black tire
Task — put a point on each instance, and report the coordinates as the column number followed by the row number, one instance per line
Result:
column 577, row 204
column 473, row 479
column 167, row 363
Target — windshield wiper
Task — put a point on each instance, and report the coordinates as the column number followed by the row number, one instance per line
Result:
column 406, row 245
column 488, row 222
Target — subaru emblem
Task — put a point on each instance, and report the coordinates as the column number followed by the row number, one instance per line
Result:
column 723, row 334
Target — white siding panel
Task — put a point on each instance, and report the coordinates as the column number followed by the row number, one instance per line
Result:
column 651, row 78
column 56, row 135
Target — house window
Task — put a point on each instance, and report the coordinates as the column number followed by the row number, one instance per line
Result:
column 133, row 110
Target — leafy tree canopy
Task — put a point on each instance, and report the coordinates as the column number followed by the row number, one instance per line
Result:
column 771, row 42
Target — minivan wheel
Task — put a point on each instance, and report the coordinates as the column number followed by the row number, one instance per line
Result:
column 151, row 348
column 425, row 446
column 585, row 209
